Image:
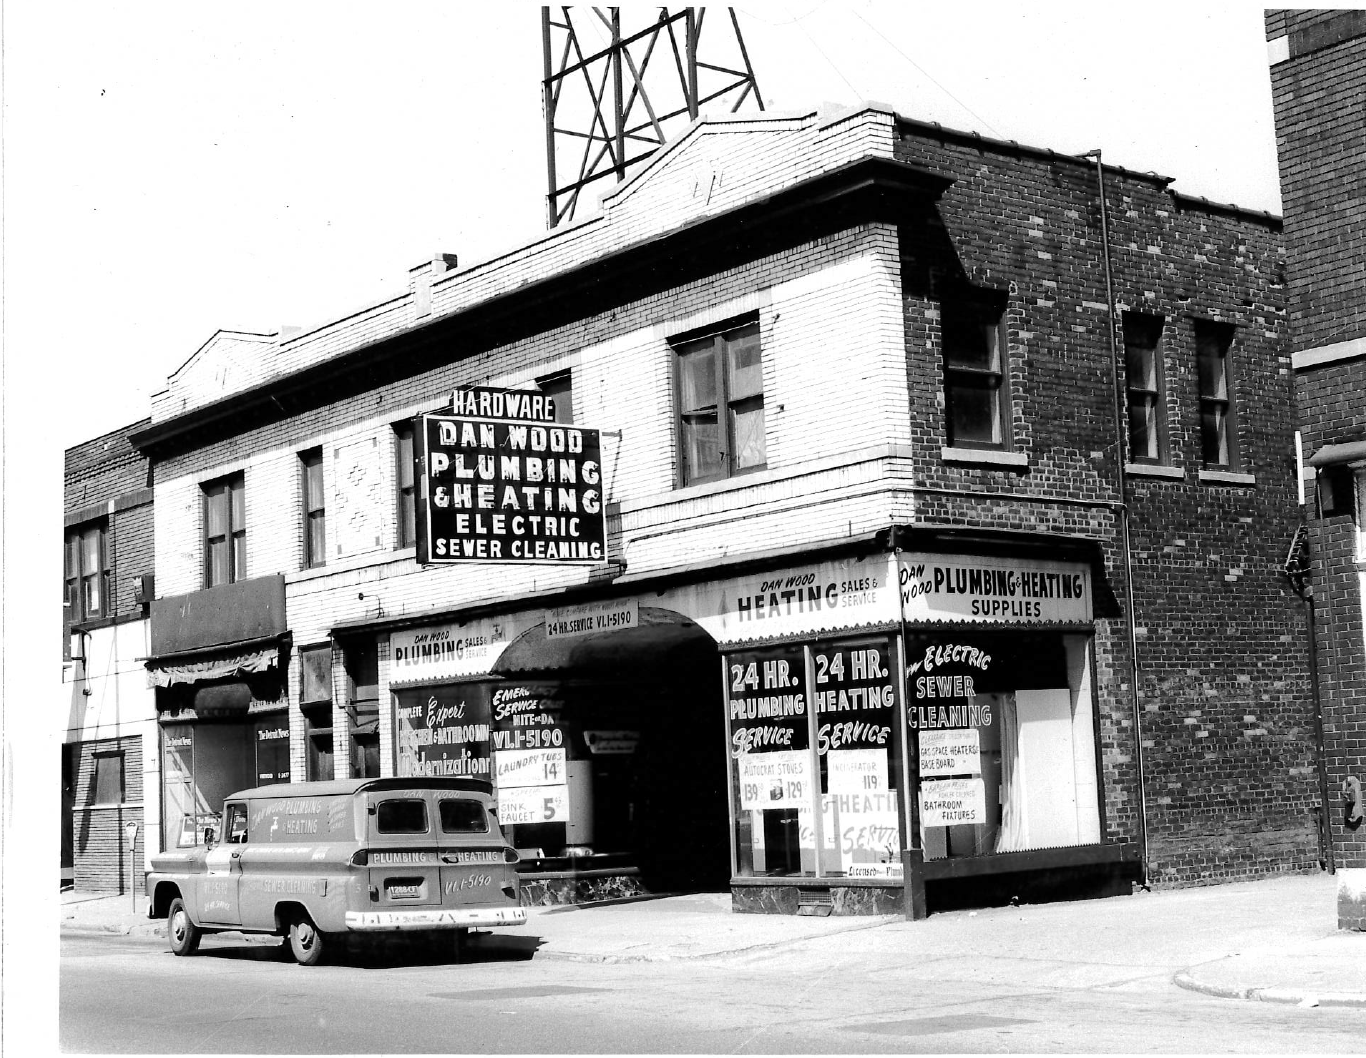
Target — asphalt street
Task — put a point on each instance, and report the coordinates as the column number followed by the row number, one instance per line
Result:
column 881, row 990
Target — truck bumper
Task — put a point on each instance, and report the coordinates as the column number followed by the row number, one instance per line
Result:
column 435, row 919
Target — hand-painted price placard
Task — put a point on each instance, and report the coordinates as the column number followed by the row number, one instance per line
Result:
column 851, row 771
column 529, row 767
column 952, row 802
column 533, row 804
column 950, row 752
column 781, row 779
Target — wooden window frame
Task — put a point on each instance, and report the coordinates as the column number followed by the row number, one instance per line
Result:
column 724, row 338
column 313, row 517
column 976, row 308
column 234, row 535
column 1138, row 327
column 77, row 579
column 1214, row 333
column 405, row 494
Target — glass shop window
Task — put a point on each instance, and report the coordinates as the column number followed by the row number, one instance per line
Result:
column 1004, row 733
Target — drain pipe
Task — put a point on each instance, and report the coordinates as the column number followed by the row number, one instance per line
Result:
column 1123, row 511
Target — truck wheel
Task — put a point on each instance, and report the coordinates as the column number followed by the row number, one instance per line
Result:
column 180, row 931
column 305, row 941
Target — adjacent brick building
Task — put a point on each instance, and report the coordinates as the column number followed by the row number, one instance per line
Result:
column 109, row 738
column 1318, row 80
column 871, row 429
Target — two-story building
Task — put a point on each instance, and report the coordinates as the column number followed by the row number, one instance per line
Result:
column 110, row 739
column 945, row 504
column 1318, row 80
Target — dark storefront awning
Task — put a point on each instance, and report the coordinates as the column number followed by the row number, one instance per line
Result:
column 246, row 659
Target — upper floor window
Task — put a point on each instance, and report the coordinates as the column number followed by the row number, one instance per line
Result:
column 225, row 531
column 720, row 404
column 1145, row 388
column 1218, row 438
column 404, row 489
column 314, row 507
column 559, row 387
column 87, row 575
column 976, row 405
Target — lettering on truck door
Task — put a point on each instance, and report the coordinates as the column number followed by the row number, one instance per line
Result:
column 223, row 869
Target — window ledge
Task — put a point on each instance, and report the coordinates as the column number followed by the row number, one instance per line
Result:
column 985, row 457
column 1154, row 470
column 352, row 562
column 1226, row 477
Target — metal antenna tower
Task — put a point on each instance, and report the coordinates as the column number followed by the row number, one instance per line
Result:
column 613, row 97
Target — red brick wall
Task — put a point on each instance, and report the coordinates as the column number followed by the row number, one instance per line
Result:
column 1227, row 721
column 1320, row 101
column 102, row 860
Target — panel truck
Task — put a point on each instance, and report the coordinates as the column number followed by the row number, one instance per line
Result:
column 314, row 861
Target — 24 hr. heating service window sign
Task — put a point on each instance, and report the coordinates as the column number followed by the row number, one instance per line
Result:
column 501, row 481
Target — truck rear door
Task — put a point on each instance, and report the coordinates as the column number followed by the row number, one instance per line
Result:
column 477, row 866
column 403, row 862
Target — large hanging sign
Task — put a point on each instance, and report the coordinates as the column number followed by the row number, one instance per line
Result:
column 993, row 590
column 501, row 481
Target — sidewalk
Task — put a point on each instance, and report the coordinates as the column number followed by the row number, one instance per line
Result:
column 1274, row 940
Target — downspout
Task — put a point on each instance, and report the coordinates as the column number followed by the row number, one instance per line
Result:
column 1331, row 653
column 1123, row 511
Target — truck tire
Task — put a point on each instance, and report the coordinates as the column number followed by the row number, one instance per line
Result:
column 306, row 940
column 182, row 934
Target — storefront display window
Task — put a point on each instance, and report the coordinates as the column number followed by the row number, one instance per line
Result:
column 1003, row 726
column 204, row 763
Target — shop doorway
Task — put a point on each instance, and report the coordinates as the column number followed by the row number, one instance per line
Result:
column 643, row 724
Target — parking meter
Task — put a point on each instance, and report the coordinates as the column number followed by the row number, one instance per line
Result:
column 130, row 832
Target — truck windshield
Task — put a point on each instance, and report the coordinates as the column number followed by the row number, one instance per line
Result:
column 402, row 817
column 462, row 816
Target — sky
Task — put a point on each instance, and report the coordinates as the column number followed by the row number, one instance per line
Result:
column 170, row 169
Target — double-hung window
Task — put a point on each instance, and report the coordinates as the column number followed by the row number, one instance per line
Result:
column 1218, row 434
column 314, row 507
column 225, row 531
column 1144, row 388
column 720, row 404
column 976, row 395
column 404, row 485
column 87, row 574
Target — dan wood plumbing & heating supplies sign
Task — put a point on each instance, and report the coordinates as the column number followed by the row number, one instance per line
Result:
column 501, row 481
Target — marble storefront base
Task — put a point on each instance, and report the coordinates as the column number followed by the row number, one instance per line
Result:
column 576, row 889
column 779, row 899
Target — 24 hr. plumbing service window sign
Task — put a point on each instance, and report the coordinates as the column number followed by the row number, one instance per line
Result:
column 501, row 481
column 994, row 590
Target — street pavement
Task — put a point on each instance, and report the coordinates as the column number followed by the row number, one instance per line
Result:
column 1273, row 940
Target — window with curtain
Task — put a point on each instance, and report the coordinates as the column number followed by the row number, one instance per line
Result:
column 1218, row 439
column 976, row 391
column 720, row 404
column 314, row 507
column 87, row 576
column 1144, row 388
column 404, row 485
column 225, row 531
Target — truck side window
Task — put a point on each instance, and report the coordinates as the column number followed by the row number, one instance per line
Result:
column 402, row 817
column 237, row 824
column 463, row 816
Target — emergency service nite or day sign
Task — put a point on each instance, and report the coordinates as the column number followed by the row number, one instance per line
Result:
column 501, row 481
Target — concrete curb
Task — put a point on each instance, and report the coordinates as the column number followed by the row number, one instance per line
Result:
column 1294, row 996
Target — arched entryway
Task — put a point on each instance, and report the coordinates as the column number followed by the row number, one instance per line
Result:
column 644, row 721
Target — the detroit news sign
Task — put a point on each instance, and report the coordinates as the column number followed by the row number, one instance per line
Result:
column 501, row 481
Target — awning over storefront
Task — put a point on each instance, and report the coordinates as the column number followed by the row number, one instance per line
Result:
column 1337, row 454
column 245, row 660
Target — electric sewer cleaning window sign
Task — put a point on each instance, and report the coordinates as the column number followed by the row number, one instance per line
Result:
column 501, row 481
